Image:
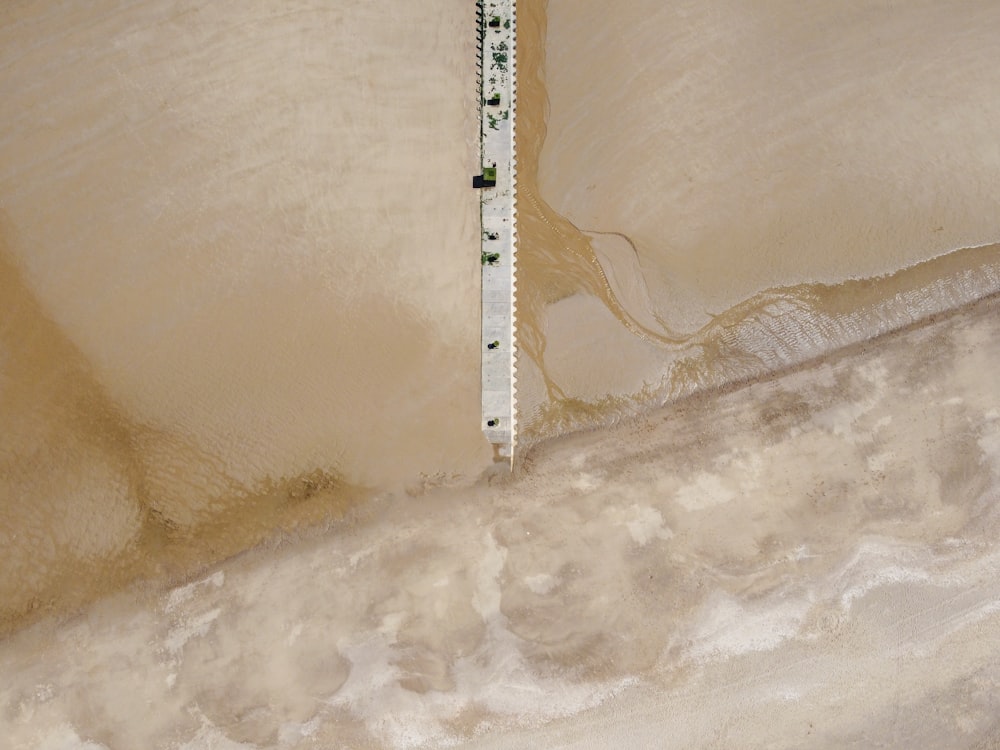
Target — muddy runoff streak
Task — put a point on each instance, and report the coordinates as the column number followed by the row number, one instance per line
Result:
column 208, row 342
column 603, row 338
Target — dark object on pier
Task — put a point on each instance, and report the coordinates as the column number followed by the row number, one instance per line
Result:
column 494, row 101
column 495, row 22
column 487, row 179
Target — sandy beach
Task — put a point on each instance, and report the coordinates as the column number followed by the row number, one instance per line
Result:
column 245, row 502
column 809, row 561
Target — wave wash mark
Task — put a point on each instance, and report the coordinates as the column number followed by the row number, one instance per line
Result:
column 497, row 183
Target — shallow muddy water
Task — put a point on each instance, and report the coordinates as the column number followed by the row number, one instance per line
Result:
column 238, row 247
column 711, row 192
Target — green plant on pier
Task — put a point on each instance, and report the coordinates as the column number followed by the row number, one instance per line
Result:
column 500, row 56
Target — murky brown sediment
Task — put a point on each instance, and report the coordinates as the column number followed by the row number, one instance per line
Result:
column 616, row 315
column 774, row 330
column 224, row 312
column 555, row 259
column 228, row 319
column 88, row 500
column 813, row 557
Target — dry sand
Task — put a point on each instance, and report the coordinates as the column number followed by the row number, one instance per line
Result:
column 809, row 561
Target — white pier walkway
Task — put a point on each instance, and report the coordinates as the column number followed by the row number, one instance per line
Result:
column 497, row 87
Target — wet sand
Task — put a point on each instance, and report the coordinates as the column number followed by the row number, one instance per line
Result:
column 725, row 190
column 785, row 143
column 229, row 313
column 237, row 280
column 230, row 322
column 808, row 561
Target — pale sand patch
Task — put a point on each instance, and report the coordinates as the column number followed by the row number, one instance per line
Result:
column 584, row 606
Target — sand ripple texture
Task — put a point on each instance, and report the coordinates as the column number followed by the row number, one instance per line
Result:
column 238, row 277
column 807, row 562
column 725, row 189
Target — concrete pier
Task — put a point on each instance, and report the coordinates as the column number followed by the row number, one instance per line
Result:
column 497, row 183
